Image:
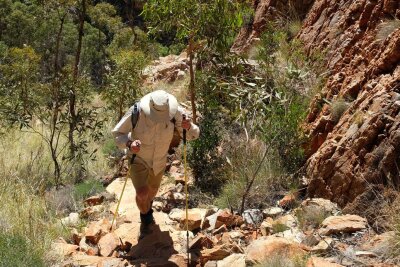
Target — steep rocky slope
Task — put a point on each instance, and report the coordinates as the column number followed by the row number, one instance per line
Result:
column 362, row 149
column 350, row 155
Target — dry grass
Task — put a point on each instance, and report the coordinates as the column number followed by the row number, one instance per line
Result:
column 359, row 118
column 27, row 217
column 386, row 28
column 337, row 109
column 311, row 217
column 243, row 158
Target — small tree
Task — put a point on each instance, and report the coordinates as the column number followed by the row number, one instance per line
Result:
column 123, row 83
column 213, row 22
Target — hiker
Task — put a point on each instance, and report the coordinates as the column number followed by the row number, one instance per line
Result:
column 155, row 117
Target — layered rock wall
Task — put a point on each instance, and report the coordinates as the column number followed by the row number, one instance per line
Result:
column 352, row 152
column 362, row 148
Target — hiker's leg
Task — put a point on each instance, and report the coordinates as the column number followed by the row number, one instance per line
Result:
column 154, row 184
column 142, row 199
column 140, row 176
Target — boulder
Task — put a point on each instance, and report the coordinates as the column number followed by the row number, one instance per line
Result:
column 320, row 205
column 271, row 246
column 107, row 244
column 342, row 224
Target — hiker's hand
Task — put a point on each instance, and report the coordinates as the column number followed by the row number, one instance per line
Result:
column 186, row 123
column 135, row 146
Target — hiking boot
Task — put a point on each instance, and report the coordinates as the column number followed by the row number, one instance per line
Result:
column 147, row 221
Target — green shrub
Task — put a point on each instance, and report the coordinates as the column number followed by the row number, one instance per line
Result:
column 203, row 155
column 279, row 227
column 17, row 252
column 87, row 188
column 110, row 148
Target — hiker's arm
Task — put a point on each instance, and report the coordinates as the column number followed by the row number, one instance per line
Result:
column 122, row 131
column 192, row 133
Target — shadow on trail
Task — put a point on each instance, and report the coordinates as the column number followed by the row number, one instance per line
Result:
column 153, row 250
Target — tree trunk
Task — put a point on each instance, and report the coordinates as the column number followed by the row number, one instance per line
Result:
column 72, row 96
column 56, row 104
column 129, row 7
column 191, row 84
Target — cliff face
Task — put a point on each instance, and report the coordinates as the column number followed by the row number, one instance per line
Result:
column 363, row 148
column 350, row 155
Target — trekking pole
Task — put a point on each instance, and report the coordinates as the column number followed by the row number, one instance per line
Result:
column 122, row 192
column 186, row 194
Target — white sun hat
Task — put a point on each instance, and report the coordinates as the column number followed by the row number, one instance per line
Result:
column 159, row 106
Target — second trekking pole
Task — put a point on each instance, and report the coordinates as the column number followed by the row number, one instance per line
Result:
column 186, row 194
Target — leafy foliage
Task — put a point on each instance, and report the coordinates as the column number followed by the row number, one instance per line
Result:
column 124, row 80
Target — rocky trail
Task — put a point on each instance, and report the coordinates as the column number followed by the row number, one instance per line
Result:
column 313, row 232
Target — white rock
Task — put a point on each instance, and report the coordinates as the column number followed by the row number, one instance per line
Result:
column 273, row 212
column 71, row 221
column 253, row 216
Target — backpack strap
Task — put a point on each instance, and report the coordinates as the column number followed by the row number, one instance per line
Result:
column 135, row 114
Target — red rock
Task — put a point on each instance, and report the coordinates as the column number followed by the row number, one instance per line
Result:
column 94, row 200
column 201, row 241
column 342, row 224
column 194, row 221
column 107, row 244
column 288, row 201
column 97, row 229
column 229, row 219
column 268, row 247
column 218, row 252
column 76, row 237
